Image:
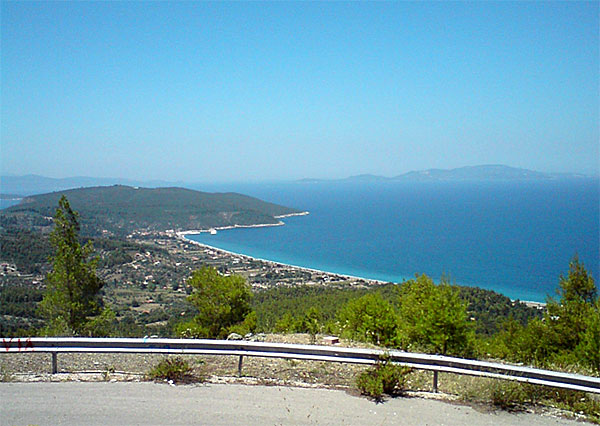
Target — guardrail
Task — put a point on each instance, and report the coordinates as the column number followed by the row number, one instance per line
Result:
column 435, row 363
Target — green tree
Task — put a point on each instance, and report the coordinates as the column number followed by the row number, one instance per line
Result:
column 311, row 323
column 566, row 318
column 222, row 302
column 588, row 348
column 433, row 317
column 369, row 318
column 72, row 287
column 286, row 324
column 569, row 333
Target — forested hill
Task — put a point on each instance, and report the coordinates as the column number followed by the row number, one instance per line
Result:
column 121, row 209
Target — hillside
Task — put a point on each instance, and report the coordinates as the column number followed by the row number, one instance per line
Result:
column 122, row 209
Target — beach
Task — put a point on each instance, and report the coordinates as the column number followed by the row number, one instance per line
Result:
column 317, row 276
column 238, row 260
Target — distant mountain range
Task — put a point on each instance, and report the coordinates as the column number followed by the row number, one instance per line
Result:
column 121, row 209
column 470, row 173
column 35, row 184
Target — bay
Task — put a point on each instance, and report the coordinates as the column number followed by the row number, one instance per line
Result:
column 512, row 237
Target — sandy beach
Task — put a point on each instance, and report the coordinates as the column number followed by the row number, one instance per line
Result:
column 351, row 278
column 332, row 276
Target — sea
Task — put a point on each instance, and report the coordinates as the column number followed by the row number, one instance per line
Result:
column 516, row 238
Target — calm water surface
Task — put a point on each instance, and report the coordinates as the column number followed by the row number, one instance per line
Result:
column 515, row 238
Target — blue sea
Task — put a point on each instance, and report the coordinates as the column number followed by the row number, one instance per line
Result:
column 516, row 238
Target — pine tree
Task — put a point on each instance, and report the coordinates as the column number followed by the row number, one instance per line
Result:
column 222, row 303
column 433, row 317
column 566, row 319
column 72, row 287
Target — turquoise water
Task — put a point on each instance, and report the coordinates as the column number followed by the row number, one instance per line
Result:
column 515, row 238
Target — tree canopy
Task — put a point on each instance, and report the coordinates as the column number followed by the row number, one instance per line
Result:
column 222, row 303
column 433, row 317
column 72, row 287
column 569, row 320
column 569, row 333
column 369, row 318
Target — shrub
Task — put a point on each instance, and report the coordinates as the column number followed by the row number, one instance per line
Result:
column 311, row 323
column 221, row 301
column 384, row 378
column 246, row 326
column 369, row 318
column 174, row 369
column 507, row 395
column 102, row 325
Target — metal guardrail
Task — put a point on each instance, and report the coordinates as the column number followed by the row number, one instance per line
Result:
column 435, row 363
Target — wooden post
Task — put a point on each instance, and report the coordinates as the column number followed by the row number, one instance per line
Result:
column 54, row 363
column 240, row 365
column 435, row 381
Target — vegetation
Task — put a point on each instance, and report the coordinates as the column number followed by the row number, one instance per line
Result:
column 516, row 396
column 568, row 333
column 222, row 302
column 72, row 289
column 384, row 378
column 28, row 250
column 147, row 282
column 176, row 370
column 123, row 209
column 369, row 318
column 433, row 317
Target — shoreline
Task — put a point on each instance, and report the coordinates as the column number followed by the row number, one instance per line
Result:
column 281, row 216
column 258, row 225
column 182, row 235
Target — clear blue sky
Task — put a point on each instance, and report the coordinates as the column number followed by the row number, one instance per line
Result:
column 235, row 91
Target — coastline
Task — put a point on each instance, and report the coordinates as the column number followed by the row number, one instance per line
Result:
column 370, row 281
column 182, row 235
column 281, row 216
column 259, row 225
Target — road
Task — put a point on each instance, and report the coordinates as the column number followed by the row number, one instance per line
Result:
column 74, row 403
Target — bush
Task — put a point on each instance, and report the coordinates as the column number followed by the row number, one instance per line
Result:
column 507, row 395
column 246, row 326
column 102, row 325
column 176, row 369
column 222, row 302
column 369, row 318
column 384, row 378
column 57, row 327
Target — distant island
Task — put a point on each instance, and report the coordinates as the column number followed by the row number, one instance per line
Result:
column 36, row 184
column 15, row 187
column 493, row 172
column 122, row 209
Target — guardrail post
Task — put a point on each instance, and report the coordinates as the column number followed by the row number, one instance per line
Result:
column 54, row 363
column 240, row 366
column 417, row 361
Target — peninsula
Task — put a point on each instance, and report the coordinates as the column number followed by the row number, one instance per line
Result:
column 120, row 210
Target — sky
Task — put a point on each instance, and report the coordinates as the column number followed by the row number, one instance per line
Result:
column 200, row 91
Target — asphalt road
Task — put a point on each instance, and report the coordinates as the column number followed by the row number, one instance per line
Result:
column 75, row 403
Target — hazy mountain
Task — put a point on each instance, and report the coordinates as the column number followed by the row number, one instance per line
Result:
column 485, row 172
column 35, row 184
column 470, row 173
